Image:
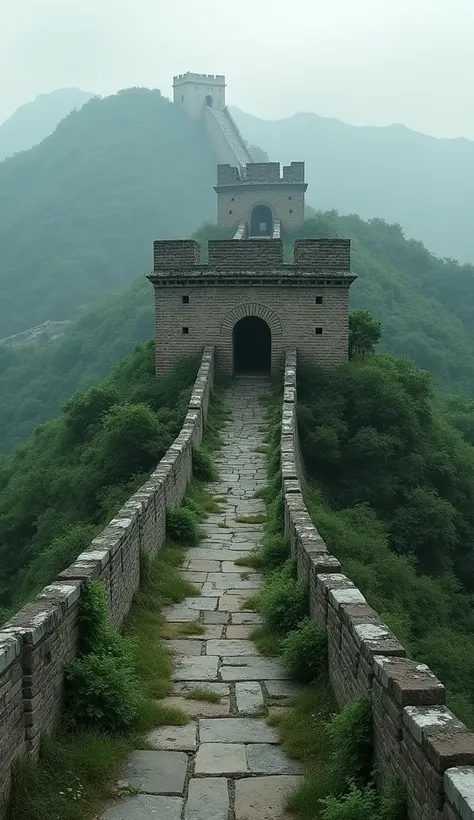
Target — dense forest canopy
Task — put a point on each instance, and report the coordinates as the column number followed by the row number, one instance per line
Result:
column 393, row 496
column 412, row 292
column 400, row 175
column 79, row 212
column 73, row 474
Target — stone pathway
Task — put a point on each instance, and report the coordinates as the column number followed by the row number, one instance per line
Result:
column 225, row 764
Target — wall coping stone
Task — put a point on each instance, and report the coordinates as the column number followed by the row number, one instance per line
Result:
column 459, row 788
column 10, row 648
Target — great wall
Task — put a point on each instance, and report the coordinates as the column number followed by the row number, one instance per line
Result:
column 415, row 737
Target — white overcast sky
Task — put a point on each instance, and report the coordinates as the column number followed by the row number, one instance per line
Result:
column 368, row 62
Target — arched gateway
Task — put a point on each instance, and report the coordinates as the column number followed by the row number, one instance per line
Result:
column 252, row 346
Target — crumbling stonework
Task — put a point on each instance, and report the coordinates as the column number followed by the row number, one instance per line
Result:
column 415, row 737
column 36, row 643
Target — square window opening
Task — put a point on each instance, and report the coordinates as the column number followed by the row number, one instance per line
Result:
column 319, row 300
column 185, row 300
column 185, row 331
column 318, row 331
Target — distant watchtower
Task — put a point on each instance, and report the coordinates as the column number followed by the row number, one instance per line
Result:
column 202, row 97
column 192, row 92
column 260, row 198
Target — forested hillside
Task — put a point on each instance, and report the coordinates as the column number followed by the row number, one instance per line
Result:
column 393, row 496
column 37, row 119
column 399, row 282
column 393, row 173
column 79, row 212
column 69, row 478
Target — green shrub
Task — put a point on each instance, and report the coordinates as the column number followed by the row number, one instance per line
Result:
column 182, row 526
column 304, row 651
column 357, row 804
column 275, row 551
column 350, row 737
column 102, row 689
column 283, row 601
column 203, row 467
column 102, row 692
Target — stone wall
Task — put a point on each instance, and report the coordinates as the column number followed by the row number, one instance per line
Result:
column 208, row 316
column 415, row 737
column 37, row 642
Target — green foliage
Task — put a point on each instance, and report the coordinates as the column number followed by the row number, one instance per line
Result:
column 102, row 688
column 182, row 526
column 350, row 738
column 283, row 600
column 73, row 773
column 274, row 551
column 102, row 692
column 356, row 804
column 62, row 485
column 364, row 333
column 203, row 466
column 304, row 650
column 394, row 502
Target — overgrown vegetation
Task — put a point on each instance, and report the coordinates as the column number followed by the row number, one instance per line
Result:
column 60, row 487
column 393, row 497
column 334, row 748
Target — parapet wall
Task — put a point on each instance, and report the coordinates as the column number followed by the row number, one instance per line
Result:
column 314, row 254
column 37, row 642
column 415, row 737
column 260, row 173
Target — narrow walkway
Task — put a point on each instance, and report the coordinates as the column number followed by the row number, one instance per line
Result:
column 225, row 764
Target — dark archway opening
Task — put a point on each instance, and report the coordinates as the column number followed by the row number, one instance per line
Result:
column 209, row 101
column 261, row 221
column 252, row 342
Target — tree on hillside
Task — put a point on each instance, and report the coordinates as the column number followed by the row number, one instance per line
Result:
column 364, row 333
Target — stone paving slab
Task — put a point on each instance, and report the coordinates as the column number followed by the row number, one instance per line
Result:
column 263, row 798
column 198, row 708
column 177, row 613
column 185, row 646
column 240, row 618
column 152, row 772
column 208, row 799
column 174, row 738
column 283, row 688
column 197, row 668
column 145, row 806
column 252, row 667
column 200, row 604
column 233, row 580
column 221, row 758
column 236, row 730
column 267, row 758
column 249, row 697
column 239, row 632
column 218, row 555
column 230, row 647
column 232, row 603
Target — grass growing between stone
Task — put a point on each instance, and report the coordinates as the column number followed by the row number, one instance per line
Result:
column 257, row 518
column 203, row 694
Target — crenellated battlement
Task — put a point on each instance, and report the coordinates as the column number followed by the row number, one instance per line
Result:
column 190, row 76
column 326, row 255
column 260, row 173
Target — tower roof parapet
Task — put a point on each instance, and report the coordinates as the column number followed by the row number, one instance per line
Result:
column 261, row 173
column 205, row 79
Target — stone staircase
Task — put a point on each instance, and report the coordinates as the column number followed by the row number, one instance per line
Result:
column 233, row 137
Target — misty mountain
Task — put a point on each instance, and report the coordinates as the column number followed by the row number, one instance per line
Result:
column 36, row 120
column 79, row 211
column 393, row 173
column 426, row 323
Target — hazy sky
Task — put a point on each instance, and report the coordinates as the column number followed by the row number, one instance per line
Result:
column 370, row 62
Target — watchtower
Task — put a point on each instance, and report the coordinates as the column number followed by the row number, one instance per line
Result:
column 261, row 197
column 194, row 92
column 250, row 305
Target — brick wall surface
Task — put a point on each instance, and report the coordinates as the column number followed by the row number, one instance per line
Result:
column 211, row 313
column 415, row 737
column 229, row 253
column 323, row 254
column 286, row 202
column 37, row 642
